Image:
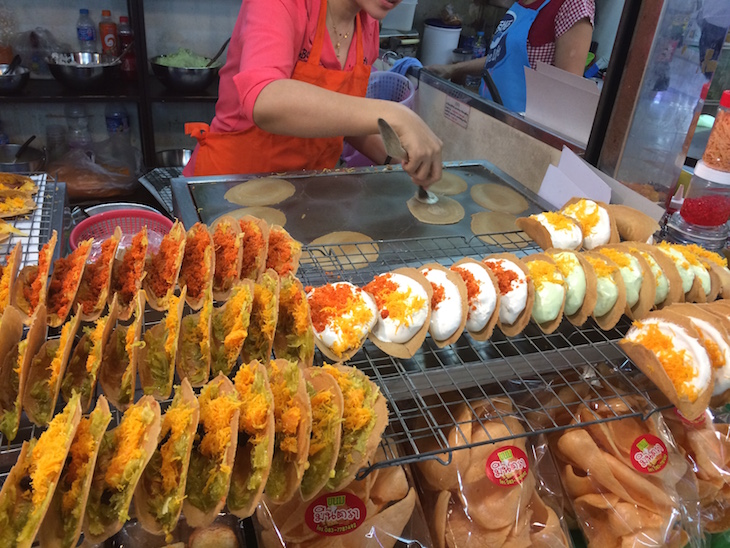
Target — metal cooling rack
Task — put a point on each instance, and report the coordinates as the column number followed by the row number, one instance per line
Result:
column 157, row 182
column 40, row 223
column 546, row 377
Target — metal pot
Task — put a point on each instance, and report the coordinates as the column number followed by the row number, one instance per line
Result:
column 32, row 159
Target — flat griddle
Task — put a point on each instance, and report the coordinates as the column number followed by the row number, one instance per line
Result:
column 371, row 200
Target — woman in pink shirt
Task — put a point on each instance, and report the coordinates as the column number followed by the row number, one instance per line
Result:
column 294, row 83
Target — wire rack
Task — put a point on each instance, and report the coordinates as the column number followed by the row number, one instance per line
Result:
column 544, row 377
column 40, row 223
column 157, row 182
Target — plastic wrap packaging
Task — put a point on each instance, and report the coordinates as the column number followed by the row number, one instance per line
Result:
column 626, row 479
column 706, row 447
column 380, row 510
column 503, row 494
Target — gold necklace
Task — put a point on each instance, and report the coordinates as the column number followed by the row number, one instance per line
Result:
column 340, row 36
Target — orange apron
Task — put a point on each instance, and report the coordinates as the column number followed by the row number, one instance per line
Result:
column 255, row 150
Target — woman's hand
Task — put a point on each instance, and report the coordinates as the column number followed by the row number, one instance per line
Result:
column 420, row 143
column 443, row 71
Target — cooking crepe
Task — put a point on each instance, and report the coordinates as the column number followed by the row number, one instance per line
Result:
column 62, row 525
column 488, row 329
column 524, row 318
column 46, row 372
column 408, row 349
column 158, row 497
column 589, row 301
column 255, row 246
column 196, row 271
column 610, row 318
column 27, row 491
column 8, row 275
column 163, row 268
column 128, row 272
column 230, row 328
column 293, row 426
column 264, row 318
column 123, row 455
column 458, row 281
column 327, row 408
column 14, row 369
column 118, row 370
column 256, row 432
column 64, row 284
column 294, row 337
column 83, row 367
column 32, row 281
column 214, row 449
column 93, row 291
column 227, row 237
column 193, row 353
column 548, row 327
column 158, row 355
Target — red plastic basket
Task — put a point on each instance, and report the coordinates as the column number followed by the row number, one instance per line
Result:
column 102, row 225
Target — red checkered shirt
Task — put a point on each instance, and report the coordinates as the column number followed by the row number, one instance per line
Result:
column 553, row 21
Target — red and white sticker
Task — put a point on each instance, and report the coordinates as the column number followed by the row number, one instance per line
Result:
column 649, row 454
column 335, row 514
column 507, row 466
column 699, row 421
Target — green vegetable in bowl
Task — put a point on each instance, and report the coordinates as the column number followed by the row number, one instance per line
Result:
column 184, row 58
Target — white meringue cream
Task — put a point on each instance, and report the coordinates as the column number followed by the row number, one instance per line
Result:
column 514, row 295
column 446, row 314
column 399, row 325
column 482, row 295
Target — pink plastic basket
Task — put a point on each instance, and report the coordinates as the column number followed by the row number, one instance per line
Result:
column 102, row 225
column 391, row 86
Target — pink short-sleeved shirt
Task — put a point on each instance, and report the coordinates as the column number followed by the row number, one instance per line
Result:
column 269, row 37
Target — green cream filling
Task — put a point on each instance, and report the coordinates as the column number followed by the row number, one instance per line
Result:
column 607, row 295
column 704, row 276
column 548, row 300
column 662, row 284
column 633, row 279
column 687, row 274
column 576, row 284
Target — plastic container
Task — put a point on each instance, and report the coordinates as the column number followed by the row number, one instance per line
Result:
column 117, row 120
column 479, row 49
column 717, row 152
column 705, row 211
column 439, row 41
column 108, row 33
column 55, row 141
column 391, row 86
column 86, row 31
column 401, row 16
column 129, row 60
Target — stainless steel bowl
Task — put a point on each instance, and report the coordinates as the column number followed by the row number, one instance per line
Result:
column 83, row 71
column 31, row 160
column 184, row 80
column 14, row 82
column 176, row 157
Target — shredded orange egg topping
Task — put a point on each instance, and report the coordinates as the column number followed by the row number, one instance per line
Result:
column 543, row 272
column 287, row 414
column 93, row 360
column 177, row 419
column 216, row 413
column 698, row 251
column 129, row 439
column 394, row 302
column 255, row 403
column 356, row 415
column 676, row 363
column 82, row 448
column 621, row 259
column 234, row 325
column 55, row 367
column 666, row 246
column 717, row 356
column 564, row 264
column 586, row 212
column 557, row 220
column 323, row 413
column 601, row 267
column 171, row 326
column 343, row 308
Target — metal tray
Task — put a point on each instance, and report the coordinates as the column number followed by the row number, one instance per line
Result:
column 368, row 200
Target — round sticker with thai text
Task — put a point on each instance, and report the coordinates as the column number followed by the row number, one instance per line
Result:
column 507, row 466
column 335, row 514
column 699, row 421
column 649, row 454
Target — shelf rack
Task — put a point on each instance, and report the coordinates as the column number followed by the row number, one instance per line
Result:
column 544, row 376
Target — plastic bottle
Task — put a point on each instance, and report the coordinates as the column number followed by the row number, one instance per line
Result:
column 86, row 31
column 117, row 120
column 479, row 49
column 77, row 119
column 126, row 37
column 108, row 33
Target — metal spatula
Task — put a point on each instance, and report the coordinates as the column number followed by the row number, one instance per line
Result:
column 395, row 150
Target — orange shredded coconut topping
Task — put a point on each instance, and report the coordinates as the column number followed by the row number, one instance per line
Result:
column 544, row 272
column 96, row 276
column 622, row 260
column 13, row 203
column 65, row 280
column 82, row 447
column 253, row 243
column 601, row 267
column 711, row 256
column 392, row 301
column 472, row 285
column 505, row 277
column 194, row 267
column 586, row 212
column 557, row 220
column 127, row 281
column 674, row 362
column 32, row 291
column 282, row 249
column 227, row 243
column 161, row 275
column 343, row 307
